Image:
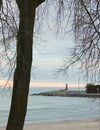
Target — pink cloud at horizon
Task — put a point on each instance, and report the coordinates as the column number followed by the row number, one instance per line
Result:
column 5, row 82
column 46, row 84
column 43, row 84
column 52, row 84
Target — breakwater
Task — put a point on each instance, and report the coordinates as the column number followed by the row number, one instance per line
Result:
column 66, row 93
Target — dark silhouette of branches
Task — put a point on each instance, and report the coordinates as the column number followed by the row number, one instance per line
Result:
column 8, row 31
column 86, row 26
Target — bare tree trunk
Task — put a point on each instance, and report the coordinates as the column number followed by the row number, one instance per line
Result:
column 0, row 3
column 21, row 78
column 23, row 67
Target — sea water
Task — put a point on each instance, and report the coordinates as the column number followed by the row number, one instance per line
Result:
column 51, row 108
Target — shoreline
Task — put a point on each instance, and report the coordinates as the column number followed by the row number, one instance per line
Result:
column 67, row 93
column 86, row 124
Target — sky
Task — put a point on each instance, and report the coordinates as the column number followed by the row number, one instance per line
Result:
column 48, row 56
column 49, row 52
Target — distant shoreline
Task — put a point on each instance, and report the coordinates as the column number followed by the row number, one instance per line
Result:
column 67, row 93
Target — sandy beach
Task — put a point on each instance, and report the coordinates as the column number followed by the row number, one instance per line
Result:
column 64, row 125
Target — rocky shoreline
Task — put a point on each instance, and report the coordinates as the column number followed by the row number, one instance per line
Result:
column 66, row 93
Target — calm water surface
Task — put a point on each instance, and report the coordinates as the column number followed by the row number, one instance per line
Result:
column 47, row 109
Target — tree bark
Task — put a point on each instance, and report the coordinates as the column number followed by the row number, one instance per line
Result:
column 23, row 67
column 0, row 4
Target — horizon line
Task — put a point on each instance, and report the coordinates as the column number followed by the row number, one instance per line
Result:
column 43, row 84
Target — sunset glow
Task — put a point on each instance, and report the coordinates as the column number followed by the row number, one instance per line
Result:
column 52, row 84
column 43, row 84
column 5, row 82
column 46, row 84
